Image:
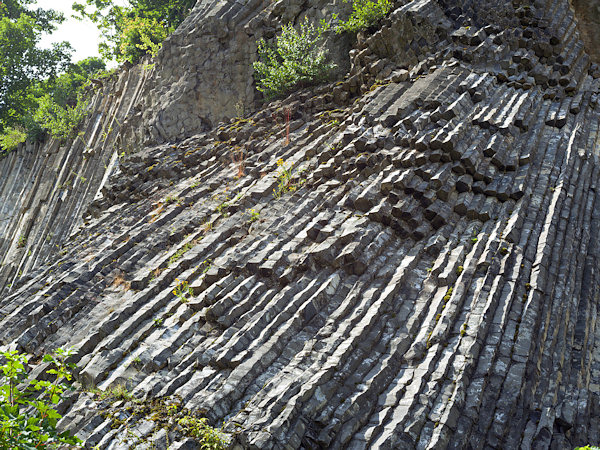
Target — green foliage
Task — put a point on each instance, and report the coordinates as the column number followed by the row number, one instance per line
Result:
column 141, row 36
column 588, row 447
column 27, row 415
column 182, row 290
column 60, row 122
column 21, row 61
column 365, row 13
column 11, row 138
column 285, row 182
column 180, row 252
column 66, row 88
column 131, row 31
column 22, row 242
column 208, row 437
column 296, row 60
column 253, row 215
column 35, row 100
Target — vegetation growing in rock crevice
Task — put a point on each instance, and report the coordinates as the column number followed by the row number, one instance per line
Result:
column 365, row 13
column 166, row 413
column 297, row 59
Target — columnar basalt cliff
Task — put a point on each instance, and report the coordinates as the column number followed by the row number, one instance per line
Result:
column 431, row 281
column 588, row 18
column 46, row 187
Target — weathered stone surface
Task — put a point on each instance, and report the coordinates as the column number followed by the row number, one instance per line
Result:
column 428, row 279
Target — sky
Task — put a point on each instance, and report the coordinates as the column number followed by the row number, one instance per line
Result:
column 83, row 35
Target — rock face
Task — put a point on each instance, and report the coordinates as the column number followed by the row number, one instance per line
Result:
column 428, row 278
column 45, row 188
column 588, row 17
column 203, row 73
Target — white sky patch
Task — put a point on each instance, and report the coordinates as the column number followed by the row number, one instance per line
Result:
column 83, row 35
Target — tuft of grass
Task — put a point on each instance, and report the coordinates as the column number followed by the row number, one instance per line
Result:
column 119, row 392
column 179, row 253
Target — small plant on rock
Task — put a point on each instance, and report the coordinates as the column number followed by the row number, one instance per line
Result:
column 296, row 60
column 22, row 241
column 182, row 290
column 209, row 437
column 253, row 215
column 284, row 179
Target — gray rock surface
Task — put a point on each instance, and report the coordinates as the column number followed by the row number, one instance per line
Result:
column 46, row 187
column 430, row 280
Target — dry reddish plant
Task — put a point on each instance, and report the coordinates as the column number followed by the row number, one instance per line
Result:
column 238, row 158
column 120, row 281
column 156, row 213
column 287, row 126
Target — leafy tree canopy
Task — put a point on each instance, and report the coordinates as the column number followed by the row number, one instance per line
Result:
column 41, row 91
column 21, row 61
column 132, row 31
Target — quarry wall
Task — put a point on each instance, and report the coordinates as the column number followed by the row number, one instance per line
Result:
column 429, row 279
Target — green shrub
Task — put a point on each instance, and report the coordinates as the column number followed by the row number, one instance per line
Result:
column 365, row 13
column 27, row 415
column 60, row 121
column 296, row 60
column 11, row 138
column 209, row 437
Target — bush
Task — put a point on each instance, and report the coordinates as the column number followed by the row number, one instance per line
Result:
column 27, row 415
column 11, row 138
column 365, row 13
column 209, row 437
column 297, row 60
column 60, row 121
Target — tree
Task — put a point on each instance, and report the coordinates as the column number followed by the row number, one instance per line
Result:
column 66, row 87
column 21, row 61
column 132, row 31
